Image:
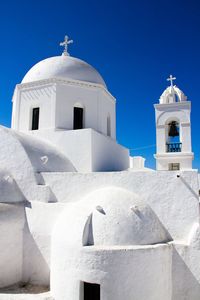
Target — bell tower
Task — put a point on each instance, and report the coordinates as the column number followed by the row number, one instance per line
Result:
column 173, row 130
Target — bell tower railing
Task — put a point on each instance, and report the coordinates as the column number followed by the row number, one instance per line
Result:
column 173, row 147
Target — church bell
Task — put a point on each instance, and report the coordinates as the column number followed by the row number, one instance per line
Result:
column 173, row 129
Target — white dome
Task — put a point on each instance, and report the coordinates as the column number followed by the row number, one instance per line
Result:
column 172, row 94
column 66, row 67
column 110, row 216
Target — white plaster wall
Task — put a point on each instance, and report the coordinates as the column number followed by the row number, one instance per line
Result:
column 14, row 158
column 56, row 99
column 9, row 190
column 12, row 220
column 106, row 107
column 42, row 96
column 107, row 155
column 186, row 268
column 186, row 138
column 40, row 220
column 184, row 159
column 21, row 155
column 137, row 162
column 67, row 97
column 138, row 273
column 176, row 204
column 87, row 149
column 161, row 139
column 74, row 144
column 185, row 273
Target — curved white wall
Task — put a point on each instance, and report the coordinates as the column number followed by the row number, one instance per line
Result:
column 123, row 273
column 12, row 220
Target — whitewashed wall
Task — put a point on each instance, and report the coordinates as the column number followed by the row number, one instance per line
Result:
column 138, row 273
column 88, row 150
column 12, row 220
column 56, row 99
column 40, row 220
column 27, row 99
column 163, row 160
column 174, row 200
column 20, row 156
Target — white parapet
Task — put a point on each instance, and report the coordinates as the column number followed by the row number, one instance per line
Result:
column 137, row 162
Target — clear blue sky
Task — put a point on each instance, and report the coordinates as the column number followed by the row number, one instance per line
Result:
column 135, row 45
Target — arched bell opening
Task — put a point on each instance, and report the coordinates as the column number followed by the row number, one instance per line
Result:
column 173, row 141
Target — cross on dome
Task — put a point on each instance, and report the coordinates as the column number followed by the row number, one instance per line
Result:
column 171, row 79
column 65, row 44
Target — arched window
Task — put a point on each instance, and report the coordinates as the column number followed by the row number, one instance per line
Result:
column 78, row 117
column 108, row 126
column 173, row 97
column 176, row 98
column 173, row 137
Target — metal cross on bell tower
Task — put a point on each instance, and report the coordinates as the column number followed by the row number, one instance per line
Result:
column 171, row 79
column 65, row 44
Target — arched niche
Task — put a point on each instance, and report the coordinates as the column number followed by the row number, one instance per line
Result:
column 172, row 98
column 108, row 125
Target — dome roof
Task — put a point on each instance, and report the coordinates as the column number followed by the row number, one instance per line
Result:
column 25, row 156
column 9, row 190
column 110, row 216
column 172, row 94
column 66, row 67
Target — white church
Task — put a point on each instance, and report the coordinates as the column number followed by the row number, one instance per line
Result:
column 79, row 218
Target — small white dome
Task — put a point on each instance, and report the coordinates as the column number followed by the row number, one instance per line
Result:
column 66, row 67
column 110, row 216
column 172, row 94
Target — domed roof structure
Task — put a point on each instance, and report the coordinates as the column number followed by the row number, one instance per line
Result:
column 25, row 156
column 65, row 67
column 172, row 94
column 110, row 216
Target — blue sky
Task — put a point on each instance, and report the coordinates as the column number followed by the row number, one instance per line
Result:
column 135, row 45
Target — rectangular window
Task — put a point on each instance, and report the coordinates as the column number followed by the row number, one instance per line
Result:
column 35, row 118
column 78, row 118
column 91, row 291
column 174, row 167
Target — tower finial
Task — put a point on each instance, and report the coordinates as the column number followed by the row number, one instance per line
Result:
column 171, row 79
column 65, row 44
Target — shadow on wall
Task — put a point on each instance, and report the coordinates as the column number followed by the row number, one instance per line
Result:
column 35, row 269
column 189, row 187
column 88, row 238
column 184, row 284
column 24, row 288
